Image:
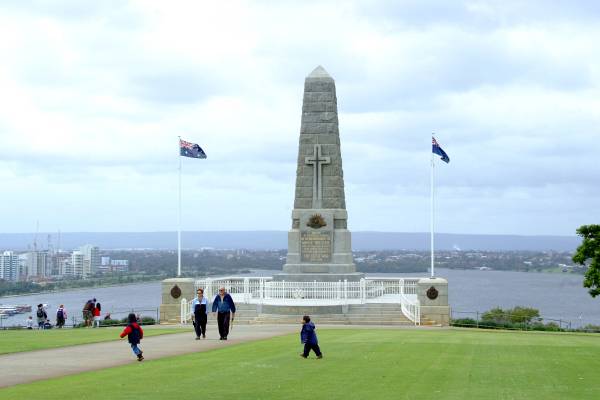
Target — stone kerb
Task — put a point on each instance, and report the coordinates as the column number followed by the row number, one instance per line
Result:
column 173, row 290
column 433, row 298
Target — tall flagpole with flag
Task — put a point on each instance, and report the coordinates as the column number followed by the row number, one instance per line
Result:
column 435, row 149
column 192, row 150
column 179, row 217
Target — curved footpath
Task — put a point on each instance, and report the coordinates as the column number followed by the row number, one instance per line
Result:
column 31, row 366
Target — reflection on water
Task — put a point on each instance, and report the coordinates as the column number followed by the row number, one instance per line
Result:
column 557, row 296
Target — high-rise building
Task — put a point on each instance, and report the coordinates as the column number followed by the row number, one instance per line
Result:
column 9, row 266
column 38, row 265
column 91, row 259
column 76, row 265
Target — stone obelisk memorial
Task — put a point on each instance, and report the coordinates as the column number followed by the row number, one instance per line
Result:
column 319, row 247
column 319, row 243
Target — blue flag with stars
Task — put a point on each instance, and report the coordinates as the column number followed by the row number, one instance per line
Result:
column 438, row 150
column 192, row 150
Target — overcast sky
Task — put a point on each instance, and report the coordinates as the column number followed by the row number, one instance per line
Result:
column 94, row 94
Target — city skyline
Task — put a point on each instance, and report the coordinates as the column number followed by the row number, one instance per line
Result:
column 95, row 95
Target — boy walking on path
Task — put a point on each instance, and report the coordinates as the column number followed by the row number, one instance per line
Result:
column 225, row 306
column 309, row 338
column 134, row 334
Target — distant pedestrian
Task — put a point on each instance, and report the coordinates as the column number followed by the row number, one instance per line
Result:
column 87, row 311
column 134, row 335
column 29, row 322
column 309, row 338
column 225, row 308
column 199, row 314
column 96, row 313
column 61, row 316
column 41, row 316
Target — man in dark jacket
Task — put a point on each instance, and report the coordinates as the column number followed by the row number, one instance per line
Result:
column 309, row 338
column 224, row 306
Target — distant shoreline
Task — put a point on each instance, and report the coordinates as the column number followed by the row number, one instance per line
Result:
column 78, row 289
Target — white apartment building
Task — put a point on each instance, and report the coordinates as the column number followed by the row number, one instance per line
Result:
column 9, row 266
column 91, row 259
column 65, row 265
column 38, row 264
column 76, row 267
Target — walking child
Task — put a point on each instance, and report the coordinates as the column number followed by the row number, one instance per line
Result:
column 96, row 314
column 309, row 338
column 134, row 334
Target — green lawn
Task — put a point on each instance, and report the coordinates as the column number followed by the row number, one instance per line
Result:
column 13, row 341
column 357, row 364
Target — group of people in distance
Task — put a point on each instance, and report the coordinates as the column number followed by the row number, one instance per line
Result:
column 91, row 316
column 91, row 313
column 42, row 318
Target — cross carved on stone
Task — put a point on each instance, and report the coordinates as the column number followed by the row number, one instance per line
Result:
column 317, row 160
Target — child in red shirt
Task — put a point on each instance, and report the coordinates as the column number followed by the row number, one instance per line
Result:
column 134, row 334
column 96, row 314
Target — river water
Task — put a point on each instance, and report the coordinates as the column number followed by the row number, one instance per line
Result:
column 557, row 296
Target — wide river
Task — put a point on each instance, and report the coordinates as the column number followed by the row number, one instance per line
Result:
column 557, row 296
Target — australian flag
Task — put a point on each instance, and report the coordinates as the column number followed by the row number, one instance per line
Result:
column 192, row 150
column 438, row 150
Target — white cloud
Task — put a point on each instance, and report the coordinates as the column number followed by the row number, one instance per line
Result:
column 93, row 99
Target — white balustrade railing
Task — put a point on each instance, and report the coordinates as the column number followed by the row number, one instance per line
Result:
column 264, row 290
column 185, row 310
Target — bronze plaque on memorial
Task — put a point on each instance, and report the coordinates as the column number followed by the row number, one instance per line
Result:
column 315, row 246
column 175, row 292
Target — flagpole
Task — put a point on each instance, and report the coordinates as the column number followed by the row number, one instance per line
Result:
column 179, row 214
column 432, row 215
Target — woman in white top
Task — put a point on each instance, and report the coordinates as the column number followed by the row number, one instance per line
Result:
column 200, row 314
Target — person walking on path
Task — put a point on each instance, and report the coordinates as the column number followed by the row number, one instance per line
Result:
column 134, row 334
column 41, row 316
column 309, row 338
column 200, row 314
column 225, row 308
column 96, row 314
column 61, row 316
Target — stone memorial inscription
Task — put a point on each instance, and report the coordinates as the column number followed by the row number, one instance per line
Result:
column 315, row 246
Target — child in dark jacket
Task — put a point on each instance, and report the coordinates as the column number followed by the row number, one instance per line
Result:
column 309, row 338
column 134, row 334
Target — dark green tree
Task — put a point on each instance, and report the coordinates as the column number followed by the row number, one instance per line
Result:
column 590, row 250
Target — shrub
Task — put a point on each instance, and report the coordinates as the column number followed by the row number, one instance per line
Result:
column 464, row 322
column 516, row 315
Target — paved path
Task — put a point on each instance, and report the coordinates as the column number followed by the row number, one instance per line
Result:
column 43, row 364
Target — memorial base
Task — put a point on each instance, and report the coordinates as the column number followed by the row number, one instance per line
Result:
column 433, row 297
column 173, row 290
column 319, row 277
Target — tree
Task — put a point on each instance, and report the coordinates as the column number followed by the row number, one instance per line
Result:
column 590, row 250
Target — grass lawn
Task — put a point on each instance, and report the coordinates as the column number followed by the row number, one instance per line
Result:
column 357, row 364
column 13, row 341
